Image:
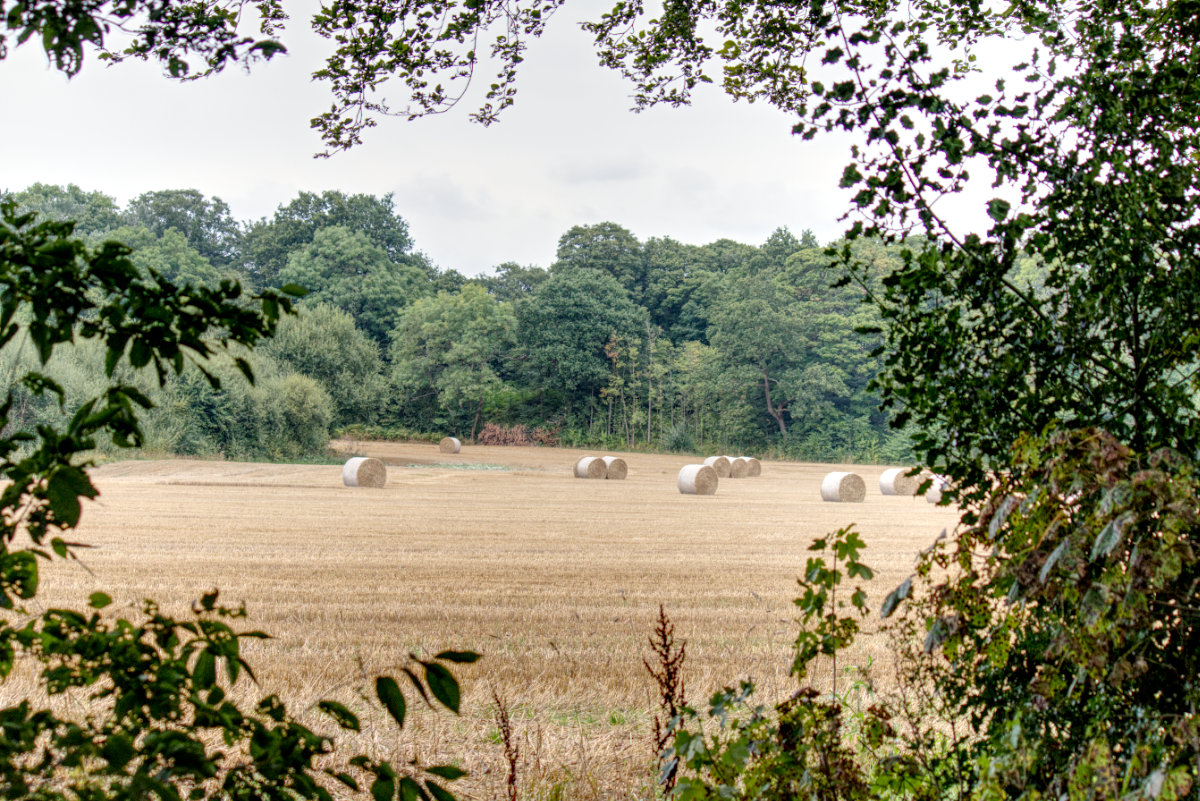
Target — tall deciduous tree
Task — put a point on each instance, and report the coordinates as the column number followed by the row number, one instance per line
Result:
column 345, row 269
column 204, row 222
column 323, row 343
column 607, row 247
column 168, row 255
column 762, row 335
column 565, row 324
column 268, row 244
column 448, row 350
column 512, row 281
column 673, row 273
column 781, row 244
column 94, row 213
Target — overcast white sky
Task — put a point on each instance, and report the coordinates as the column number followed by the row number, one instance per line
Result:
column 570, row 152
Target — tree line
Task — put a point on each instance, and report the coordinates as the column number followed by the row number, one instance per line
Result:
column 618, row 343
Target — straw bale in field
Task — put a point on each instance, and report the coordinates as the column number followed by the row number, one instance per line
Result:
column 936, row 489
column 615, row 467
column 738, row 467
column 697, row 479
column 896, row 481
column 449, row 445
column 753, row 466
column 720, row 464
column 590, row 467
column 363, row 471
column 843, row 487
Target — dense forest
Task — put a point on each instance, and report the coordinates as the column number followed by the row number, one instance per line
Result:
column 619, row 343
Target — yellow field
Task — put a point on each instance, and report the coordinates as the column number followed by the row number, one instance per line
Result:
column 557, row 581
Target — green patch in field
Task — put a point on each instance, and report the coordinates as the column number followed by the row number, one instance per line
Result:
column 593, row 717
column 460, row 466
column 618, row 717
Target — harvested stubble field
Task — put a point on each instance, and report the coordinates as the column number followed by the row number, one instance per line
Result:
column 557, row 581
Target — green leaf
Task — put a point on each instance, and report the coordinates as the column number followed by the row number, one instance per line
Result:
column 204, row 674
column 345, row 778
column 343, row 716
column 208, row 601
column 1052, row 560
column 859, row 570
column 439, row 792
column 295, row 290
column 447, row 772
column 244, row 367
column 1109, row 536
column 118, row 751
column 383, row 788
column 116, row 349
column 63, row 491
column 938, row 633
column 7, row 659
column 20, row 573
column 416, row 683
column 99, row 600
column 1001, row 516
column 391, row 698
column 894, row 598
column 850, row 176
column 461, row 657
column 998, row 209
column 443, row 685
column 410, row 790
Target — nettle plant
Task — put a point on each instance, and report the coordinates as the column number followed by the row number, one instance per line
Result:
column 160, row 720
column 805, row 747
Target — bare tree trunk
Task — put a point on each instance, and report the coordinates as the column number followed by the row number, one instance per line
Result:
column 649, row 383
column 649, row 409
column 775, row 412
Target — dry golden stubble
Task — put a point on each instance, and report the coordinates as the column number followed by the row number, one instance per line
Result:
column 555, row 581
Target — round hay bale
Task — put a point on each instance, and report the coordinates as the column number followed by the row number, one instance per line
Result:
column 697, row 479
column 841, row 487
column 449, row 445
column 615, row 468
column 936, row 489
column 719, row 464
column 738, row 467
column 590, row 467
column 896, row 481
column 363, row 471
column 754, row 467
